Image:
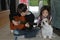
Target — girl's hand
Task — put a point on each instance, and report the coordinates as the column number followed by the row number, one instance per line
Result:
column 15, row 22
column 27, row 25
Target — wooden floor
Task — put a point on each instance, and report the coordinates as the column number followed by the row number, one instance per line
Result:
column 4, row 18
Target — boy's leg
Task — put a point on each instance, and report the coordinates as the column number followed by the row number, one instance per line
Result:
column 19, row 32
column 16, row 32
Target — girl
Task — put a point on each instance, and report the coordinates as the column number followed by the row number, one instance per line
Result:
column 44, row 13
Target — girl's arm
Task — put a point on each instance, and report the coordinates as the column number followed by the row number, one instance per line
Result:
column 51, row 18
column 38, row 21
column 50, row 21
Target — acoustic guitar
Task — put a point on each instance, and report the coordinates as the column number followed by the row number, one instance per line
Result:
column 21, row 20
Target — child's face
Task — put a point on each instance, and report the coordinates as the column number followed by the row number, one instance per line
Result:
column 24, row 13
column 45, row 13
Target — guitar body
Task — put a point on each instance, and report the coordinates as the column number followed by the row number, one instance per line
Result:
column 21, row 25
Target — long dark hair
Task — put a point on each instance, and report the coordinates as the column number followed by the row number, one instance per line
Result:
column 45, row 8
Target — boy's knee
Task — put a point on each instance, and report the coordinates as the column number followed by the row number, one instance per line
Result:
column 16, row 32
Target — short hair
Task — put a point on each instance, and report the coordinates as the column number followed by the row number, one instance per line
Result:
column 21, row 7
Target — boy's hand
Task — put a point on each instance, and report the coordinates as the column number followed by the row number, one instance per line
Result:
column 27, row 25
column 15, row 22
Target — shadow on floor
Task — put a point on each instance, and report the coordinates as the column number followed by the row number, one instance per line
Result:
column 57, row 31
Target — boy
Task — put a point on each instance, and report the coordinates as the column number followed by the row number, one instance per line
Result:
column 21, row 12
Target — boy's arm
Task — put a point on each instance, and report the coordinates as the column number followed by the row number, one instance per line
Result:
column 30, row 20
column 15, row 22
column 11, row 17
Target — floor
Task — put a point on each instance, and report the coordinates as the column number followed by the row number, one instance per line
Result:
column 4, row 18
column 6, row 35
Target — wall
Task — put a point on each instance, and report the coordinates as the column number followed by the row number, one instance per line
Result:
column 55, row 10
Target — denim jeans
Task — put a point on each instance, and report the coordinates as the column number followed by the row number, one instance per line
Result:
column 26, row 33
